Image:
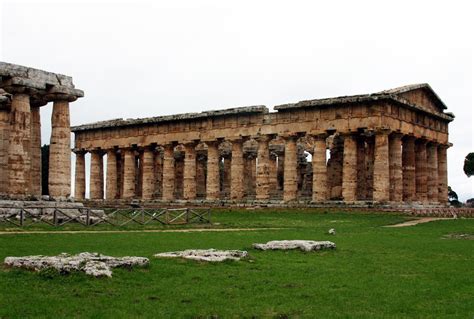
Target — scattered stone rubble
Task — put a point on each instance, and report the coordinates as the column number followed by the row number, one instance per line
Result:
column 304, row 245
column 212, row 255
column 92, row 264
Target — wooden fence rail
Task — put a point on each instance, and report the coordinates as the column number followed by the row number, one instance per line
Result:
column 119, row 217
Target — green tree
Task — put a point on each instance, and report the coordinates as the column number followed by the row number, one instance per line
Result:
column 469, row 165
column 453, row 198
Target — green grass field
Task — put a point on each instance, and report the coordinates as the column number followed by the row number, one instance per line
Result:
column 375, row 272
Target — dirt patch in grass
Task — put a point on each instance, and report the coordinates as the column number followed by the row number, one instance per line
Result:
column 459, row 236
column 417, row 221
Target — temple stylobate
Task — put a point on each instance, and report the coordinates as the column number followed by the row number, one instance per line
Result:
column 383, row 147
column 23, row 90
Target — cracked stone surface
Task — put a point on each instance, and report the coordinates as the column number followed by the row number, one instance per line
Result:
column 92, row 264
column 212, row 255
column 304, row 245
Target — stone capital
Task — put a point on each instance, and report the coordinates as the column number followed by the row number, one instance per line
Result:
column 79, row 151
column 382, row 131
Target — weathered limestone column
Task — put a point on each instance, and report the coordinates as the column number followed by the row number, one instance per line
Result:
column 112, row 182
column 349, row 169
column 148, row 168
column 237, row 171
column 381, row 167
column 35, row 151
column 273, row 175
column 226, row 178
column 80, row 176
column 129, row 174
column 60, row 150
column 442, row 174
column 19, row 162
column 396, row 173
column 263, row 165
column 290, row 186
column 158, row 173
column 421, row 171
column 408, row 163
column 320, row 171
column 212, row 171
column 432, row 172
column 96, row 180
column 4, row 137
column 168, row 173
column 189, row 179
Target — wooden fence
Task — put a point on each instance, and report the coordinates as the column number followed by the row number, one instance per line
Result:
column 58, row 217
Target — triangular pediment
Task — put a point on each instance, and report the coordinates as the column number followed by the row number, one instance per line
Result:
column 421, row 95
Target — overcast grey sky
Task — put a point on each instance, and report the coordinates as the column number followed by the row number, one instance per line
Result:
column 149, row 58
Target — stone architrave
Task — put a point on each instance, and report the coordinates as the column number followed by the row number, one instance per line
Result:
column 111, row 182
column 189, row 179
column 320, row 171
column 290, row 186
column 168, row 173
column 396, row 173
column 60, row 150
column 129, row 174
column 19, row 161
column 212, row 182
column 408, row 164
column 349, row 168
column 263, row 169
column 381, row 167
column 442, row 174
column 80, row 177
column 237, row 170
column 432, row 172
column 421, row 171
column 96, row 186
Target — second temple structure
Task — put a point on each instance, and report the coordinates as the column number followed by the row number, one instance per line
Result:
column 385, row 147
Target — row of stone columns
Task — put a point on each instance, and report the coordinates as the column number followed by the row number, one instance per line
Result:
column 20, row 146
column 402, row 169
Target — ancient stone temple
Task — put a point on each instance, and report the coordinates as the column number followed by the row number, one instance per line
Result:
column 383, row 147
column 23, row 91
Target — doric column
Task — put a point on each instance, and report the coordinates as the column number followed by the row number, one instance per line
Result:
column 212, row 171
column 349, row 168
column 96, row 181
column 273, row 175
column 408, row 163
column 320, row 185
column 36, row 151
column 290, row 186
column 263, row 178
column 396, row 174
column 432, row 172
column 381, row 167
column 189, row 179
column 80, row 176
column 19, row 161
column 148, row 177
column 442, row 174
column 129, row 174
column 237, row 171
column 4, row 136
column 168, row 173
column 60, row 150
column 112, row 182
column 420, row 171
